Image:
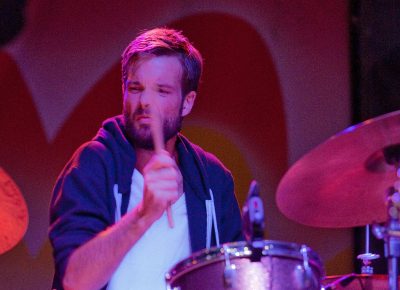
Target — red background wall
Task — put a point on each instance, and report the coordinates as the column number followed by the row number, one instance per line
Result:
column 276, row 84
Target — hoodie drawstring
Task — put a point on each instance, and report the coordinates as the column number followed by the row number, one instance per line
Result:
column 211, row 221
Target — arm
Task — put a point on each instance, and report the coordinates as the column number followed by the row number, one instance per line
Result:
column 90, row 262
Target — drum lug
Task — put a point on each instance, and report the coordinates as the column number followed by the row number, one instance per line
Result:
column 229, row 271
column 303, row 274
column 174, row 288
column 229, row 276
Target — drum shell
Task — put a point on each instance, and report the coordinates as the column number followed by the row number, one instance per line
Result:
column 281, row 267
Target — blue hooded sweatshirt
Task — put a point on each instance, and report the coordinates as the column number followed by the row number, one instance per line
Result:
column 84, row 203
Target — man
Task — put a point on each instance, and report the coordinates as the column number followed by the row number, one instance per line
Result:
column 109, row 225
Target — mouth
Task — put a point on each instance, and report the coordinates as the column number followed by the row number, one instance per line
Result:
column 143, row 119
column 139, row 117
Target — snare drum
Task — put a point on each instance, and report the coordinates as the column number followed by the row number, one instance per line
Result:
column 272, row 265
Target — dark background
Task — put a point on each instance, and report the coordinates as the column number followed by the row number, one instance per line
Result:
column 375, row 44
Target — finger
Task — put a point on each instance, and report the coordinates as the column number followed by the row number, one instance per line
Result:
column 159, row 161
column 156, row 175
column 161, row 178
column 169, row 187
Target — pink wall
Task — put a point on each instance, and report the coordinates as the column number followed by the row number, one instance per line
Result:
column 276, row 84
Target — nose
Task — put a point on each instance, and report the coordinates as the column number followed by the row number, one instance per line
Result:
column 145, row 98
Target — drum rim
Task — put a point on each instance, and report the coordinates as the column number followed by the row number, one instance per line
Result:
column 216, row 254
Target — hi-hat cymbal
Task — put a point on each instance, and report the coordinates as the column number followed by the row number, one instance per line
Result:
column 343, row 182
column 13, row 213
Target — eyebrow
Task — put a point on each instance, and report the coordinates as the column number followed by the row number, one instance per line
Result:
column 160, row 85
column 165, row 86
column 132, row 83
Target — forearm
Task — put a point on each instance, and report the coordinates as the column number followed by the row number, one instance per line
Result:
column 92, row 265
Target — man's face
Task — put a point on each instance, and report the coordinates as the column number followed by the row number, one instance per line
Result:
column 153, row 80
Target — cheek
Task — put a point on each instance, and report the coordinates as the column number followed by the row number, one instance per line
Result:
column 129, row 103
column 125, row 103
column 175, row 105
column 172, row 110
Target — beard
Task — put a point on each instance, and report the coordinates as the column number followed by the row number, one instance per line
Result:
column 141, row 136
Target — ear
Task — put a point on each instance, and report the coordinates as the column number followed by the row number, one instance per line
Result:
column 188, row 103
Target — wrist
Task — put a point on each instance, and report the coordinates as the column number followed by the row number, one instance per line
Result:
column 139, row 220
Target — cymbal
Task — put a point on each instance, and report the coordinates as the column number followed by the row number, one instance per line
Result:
column 13, row 213
column 343, row 181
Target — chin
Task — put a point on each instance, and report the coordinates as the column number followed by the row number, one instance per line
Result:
column 143, row 139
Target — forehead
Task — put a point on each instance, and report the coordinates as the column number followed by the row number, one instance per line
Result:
column 156, row 68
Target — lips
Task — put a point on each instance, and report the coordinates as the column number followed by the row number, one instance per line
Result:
column 140, row 117
column 143, row 119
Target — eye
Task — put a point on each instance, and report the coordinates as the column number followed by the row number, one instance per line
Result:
column 134, row 89
column 164, row 91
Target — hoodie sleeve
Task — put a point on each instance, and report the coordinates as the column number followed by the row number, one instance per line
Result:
column 80, row 207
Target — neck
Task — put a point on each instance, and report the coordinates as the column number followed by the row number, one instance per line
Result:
column 144, row 155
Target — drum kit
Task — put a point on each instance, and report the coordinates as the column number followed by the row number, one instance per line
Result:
column 350, row 180
column 13, row 213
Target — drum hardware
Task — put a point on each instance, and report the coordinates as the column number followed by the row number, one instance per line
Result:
column 305, row 278
column 341, row 184
column 367, row 257
column 283, row 265
column 254, row 251
column 253, row 215
column 342, row 282
column 390, row 233
column 230, row 269
column 360, row 282
column 253, row 221
column 175, row 288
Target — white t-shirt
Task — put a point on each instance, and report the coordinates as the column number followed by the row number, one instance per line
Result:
column 157, row 251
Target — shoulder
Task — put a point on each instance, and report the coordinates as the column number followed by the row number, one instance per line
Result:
column 91, row 159
column 90, row 153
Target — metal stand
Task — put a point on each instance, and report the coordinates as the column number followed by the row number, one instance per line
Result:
column 367, row 257
column 391, row 234
column 366, row 269
column 392, row 267
column 392, row 240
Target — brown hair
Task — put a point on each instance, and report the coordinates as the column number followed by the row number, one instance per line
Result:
column 165, row 41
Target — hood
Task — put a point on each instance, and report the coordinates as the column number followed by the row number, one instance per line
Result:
column 112, row 135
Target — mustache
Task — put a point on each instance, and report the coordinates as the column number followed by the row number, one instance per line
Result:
column 141, row 111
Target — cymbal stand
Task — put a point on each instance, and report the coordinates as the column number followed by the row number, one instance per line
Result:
column 392, row 241
column 366, row 269
column 367, row 257
column 391, row 232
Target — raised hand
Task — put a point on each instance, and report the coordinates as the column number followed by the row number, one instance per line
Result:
column 163, row 186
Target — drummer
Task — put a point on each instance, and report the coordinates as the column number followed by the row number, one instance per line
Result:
column 122, row 215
